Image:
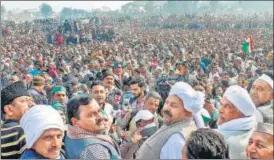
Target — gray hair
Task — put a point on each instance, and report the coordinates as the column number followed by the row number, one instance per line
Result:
column 153, row 94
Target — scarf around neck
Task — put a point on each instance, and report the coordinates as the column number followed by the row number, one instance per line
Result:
column 240, row 124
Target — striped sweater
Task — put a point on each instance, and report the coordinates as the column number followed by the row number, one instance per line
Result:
column 13, row 142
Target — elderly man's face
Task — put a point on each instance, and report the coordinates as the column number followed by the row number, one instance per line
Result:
column 260, row 146
column 261, row 93
column 228, row 112
column 152, row 104
column 49, row 143
column 174, row 111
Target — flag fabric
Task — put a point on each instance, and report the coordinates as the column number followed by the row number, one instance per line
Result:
column 245, row 47
column 248, row 45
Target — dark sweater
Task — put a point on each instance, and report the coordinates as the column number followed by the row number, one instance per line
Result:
column 13, row 142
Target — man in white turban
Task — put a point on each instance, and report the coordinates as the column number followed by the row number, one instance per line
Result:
column 262, row 96
column 181, row 106
column 236, row 120
column 44, row 129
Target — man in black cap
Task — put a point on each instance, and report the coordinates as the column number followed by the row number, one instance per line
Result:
column 15, row 101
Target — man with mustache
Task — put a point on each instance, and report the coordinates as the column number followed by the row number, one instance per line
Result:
column 15, row 102
column 260, row 145
column 181, row 106
column 262, row 96
column 85, row 131
column 44, row 129
column 236, row 120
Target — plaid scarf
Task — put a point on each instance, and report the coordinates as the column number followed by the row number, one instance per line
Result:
column 79, row 133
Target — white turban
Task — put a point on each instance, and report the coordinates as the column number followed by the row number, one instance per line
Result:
column 240, row 98
column 267, row 79
column 193, row 100
column 38, row 119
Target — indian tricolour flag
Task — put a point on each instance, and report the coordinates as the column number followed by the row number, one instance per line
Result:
column 248, row 45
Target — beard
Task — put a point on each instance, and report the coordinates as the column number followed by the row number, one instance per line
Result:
column 138, row 95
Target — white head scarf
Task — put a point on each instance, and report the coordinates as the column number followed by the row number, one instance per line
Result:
column 193, row 100
column 240, row 98
column 38, row 119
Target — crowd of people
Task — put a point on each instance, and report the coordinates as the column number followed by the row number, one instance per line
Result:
column 149, row 92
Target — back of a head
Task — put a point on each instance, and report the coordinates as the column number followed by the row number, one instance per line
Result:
column 206, row 143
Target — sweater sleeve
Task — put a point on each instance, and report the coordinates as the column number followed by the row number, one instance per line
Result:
column 95, row 151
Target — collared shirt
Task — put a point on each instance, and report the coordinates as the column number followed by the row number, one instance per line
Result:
column 172, row 149
column 137, row 106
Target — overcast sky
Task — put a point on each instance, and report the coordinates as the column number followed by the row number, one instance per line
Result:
column 58, row 5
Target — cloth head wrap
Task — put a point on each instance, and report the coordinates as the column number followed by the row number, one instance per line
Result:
column 37, row 120
column 193, row 100
column 240, row 98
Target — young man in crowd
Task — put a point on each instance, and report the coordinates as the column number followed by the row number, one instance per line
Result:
column 137, row 86
column 98, row 92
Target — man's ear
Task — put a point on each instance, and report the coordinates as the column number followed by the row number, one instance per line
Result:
column 74, row 121
column 8, row 110
column 271, row 95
